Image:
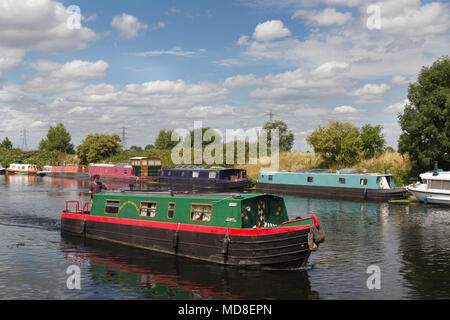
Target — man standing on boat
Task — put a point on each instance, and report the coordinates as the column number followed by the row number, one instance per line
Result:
column 96, row 186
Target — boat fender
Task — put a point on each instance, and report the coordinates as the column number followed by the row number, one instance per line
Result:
column 311, row 244
column 365, row 194
column 225, row 244
column 176, row 237
column 318, row 235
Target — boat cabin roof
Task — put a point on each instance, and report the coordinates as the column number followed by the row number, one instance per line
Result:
column 186, row 195
column 442, row 175
column 200, row 168
column 148, row 158
column 328, row 172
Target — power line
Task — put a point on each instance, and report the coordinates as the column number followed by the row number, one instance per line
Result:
column 270, row 114
column 24, row 139
column 124, row 137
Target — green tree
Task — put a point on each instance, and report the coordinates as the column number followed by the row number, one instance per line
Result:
column 6, row 143
column 164, row 140
column 338, row 143
column 372, row 140
column 149, row 147
column 135, row 148
column 57, row 139
column 425, row 121
column 96, row 147
column 286, row 137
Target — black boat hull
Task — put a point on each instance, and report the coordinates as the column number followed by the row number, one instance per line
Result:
column 289, row 249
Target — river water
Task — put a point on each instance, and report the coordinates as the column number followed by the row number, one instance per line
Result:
column 407, row 245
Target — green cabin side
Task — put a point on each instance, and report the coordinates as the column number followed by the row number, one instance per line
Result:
column 215, row 210
column 361, row 181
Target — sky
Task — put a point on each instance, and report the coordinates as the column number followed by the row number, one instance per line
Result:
column 98, row 66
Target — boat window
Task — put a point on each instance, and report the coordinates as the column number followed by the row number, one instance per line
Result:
column 23, row 167
column 168, row 173
column 212, row 175
column 171, row 210
column 446, row 185
column 182, row 173
column 310, row 179
column 148, row 209
column 363, row 182
column 439, row 184
column 342, row 180
column 106, row 170
column 195, row 174
column 125, row 171
column 112, row 206
column 201, row 212
column 270, row 178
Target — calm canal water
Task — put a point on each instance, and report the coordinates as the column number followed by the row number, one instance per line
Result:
column 409, row 243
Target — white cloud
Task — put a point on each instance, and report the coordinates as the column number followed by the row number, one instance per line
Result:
column 270, row 30
column 396, row 107
column 78, row 70
column 370, row 93
column 331, row 68
column 348, row 3
column 326, row 17
column 55, row 78
column 128, row 25
column 410, row 17
column 210, row 111
column 345, row 109
column 10, row 58
column 401, row 81
column 174, row 52
column 242, row 81
column 230, row 62
column 41, row 25
column 243, row 40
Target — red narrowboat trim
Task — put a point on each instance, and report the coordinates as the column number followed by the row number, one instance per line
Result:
column 184, row 227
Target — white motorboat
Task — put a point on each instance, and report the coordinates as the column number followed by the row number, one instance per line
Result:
column 435, row 187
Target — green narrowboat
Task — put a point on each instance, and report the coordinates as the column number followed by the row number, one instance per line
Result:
column 347, row 184
column 230, row 229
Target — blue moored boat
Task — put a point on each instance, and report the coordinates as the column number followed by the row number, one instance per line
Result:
column 202, row 177
column 342, row 184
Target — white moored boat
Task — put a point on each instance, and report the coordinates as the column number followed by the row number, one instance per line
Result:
column 435, row 187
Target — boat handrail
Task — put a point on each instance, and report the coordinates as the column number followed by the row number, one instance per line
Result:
column 315, row 220
column 77, row 205
column 86, row 208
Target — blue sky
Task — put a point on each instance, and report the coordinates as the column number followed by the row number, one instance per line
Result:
column 149, row 65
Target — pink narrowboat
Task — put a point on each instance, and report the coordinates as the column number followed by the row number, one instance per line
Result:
column 141, row 169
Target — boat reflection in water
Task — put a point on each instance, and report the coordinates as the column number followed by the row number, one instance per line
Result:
column 151, row 275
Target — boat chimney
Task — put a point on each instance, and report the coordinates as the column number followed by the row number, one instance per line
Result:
column 385, row 170
column 435, row 171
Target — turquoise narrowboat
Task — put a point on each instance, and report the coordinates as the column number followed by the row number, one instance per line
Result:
column 341, row 184
column 230, row 229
